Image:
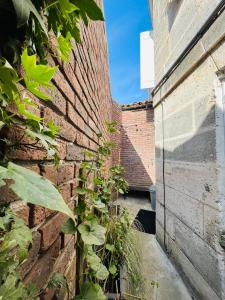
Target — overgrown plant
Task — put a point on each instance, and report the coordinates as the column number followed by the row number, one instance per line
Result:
column 94, row 221
column 25, row 31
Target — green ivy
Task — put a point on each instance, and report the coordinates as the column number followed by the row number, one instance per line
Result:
column 24, row 39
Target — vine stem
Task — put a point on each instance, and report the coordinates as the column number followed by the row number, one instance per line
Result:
column 51, row 4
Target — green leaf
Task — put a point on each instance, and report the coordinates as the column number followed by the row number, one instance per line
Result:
column 16, row 235
column 99, row 204
column 94, row 262
column 33, row 188
column 57, row 281
column 67, row 7
column 113, row 269
column 92, row 233
column 48, row 142
column 69, row 227
column 8, row 80
column 110, row 247
column 90, row 8
column 81, row 191
column 23, row 10
column 102, row 273
column 36, row 76
column 12, row 289
column 54, row 129
column 90, row 291
column 64, row 47
column 121, row 191
column 2, row 124
column 21, row 235
column 22, row 109
column 89, row 154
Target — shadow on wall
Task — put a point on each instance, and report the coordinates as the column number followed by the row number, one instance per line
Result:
column 192, row 220
column 201, row 147
column 137, row 151
column 135, row 171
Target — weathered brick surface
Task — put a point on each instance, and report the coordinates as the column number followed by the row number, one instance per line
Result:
column 138, row 146
column 32, row 254
column 51, row 229
column 81, row 103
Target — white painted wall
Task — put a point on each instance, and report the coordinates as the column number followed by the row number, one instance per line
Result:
column 147, row 60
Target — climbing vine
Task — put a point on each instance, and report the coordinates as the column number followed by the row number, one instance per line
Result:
column 100, row 228
column 28, row 29
column 26, row 32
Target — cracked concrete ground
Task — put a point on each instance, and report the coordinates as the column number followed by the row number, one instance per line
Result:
column 155, row 265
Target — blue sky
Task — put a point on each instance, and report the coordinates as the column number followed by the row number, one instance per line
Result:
column 125, row 19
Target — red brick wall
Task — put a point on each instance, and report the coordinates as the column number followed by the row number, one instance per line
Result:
column 117, row 137
column 81, row 103
column 138, row 147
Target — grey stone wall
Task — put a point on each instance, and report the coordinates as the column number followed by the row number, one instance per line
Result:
column 171, row 40
column 190, row 152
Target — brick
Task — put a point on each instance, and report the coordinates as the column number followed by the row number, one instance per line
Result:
column 37, row 215
column 64, row 260
column 74, row 152
column 6, row 194
column 138, row 146
column 61, row 149
column 66, row 130
column 21, row 210
column 65, row 173
column 75, row 117
column 50, row 172
column 80, row 104
column 65, row 256
column 51, row 230
column 32, row 255
column 42, row 269
column 66, row 192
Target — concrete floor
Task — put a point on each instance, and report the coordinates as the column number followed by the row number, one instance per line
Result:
column 155, row 266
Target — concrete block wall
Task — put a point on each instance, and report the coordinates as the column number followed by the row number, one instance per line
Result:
column 170, row 41
column 190, row 160
column 81, row 103
column 138, row 148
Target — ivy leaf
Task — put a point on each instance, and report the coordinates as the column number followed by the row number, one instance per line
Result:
column 113, row 269
column 22, row 236
column 46, row 140
column 54, row 129
column 12, row 289
column 36, row 76
column 67, row 7
column 2, row 124
column 90, row 291
column 69, row 227
column 99, row 204
column 89, row 8
column 64, row 46
column 57, row 281
column 80, row 191
column 121, row 191
column 102, row 273
column 23, row 10
column 22, row 109
column 8, row 79
column 94, row 262
column 110, row 247
column 33, row 188
column 92, row 233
